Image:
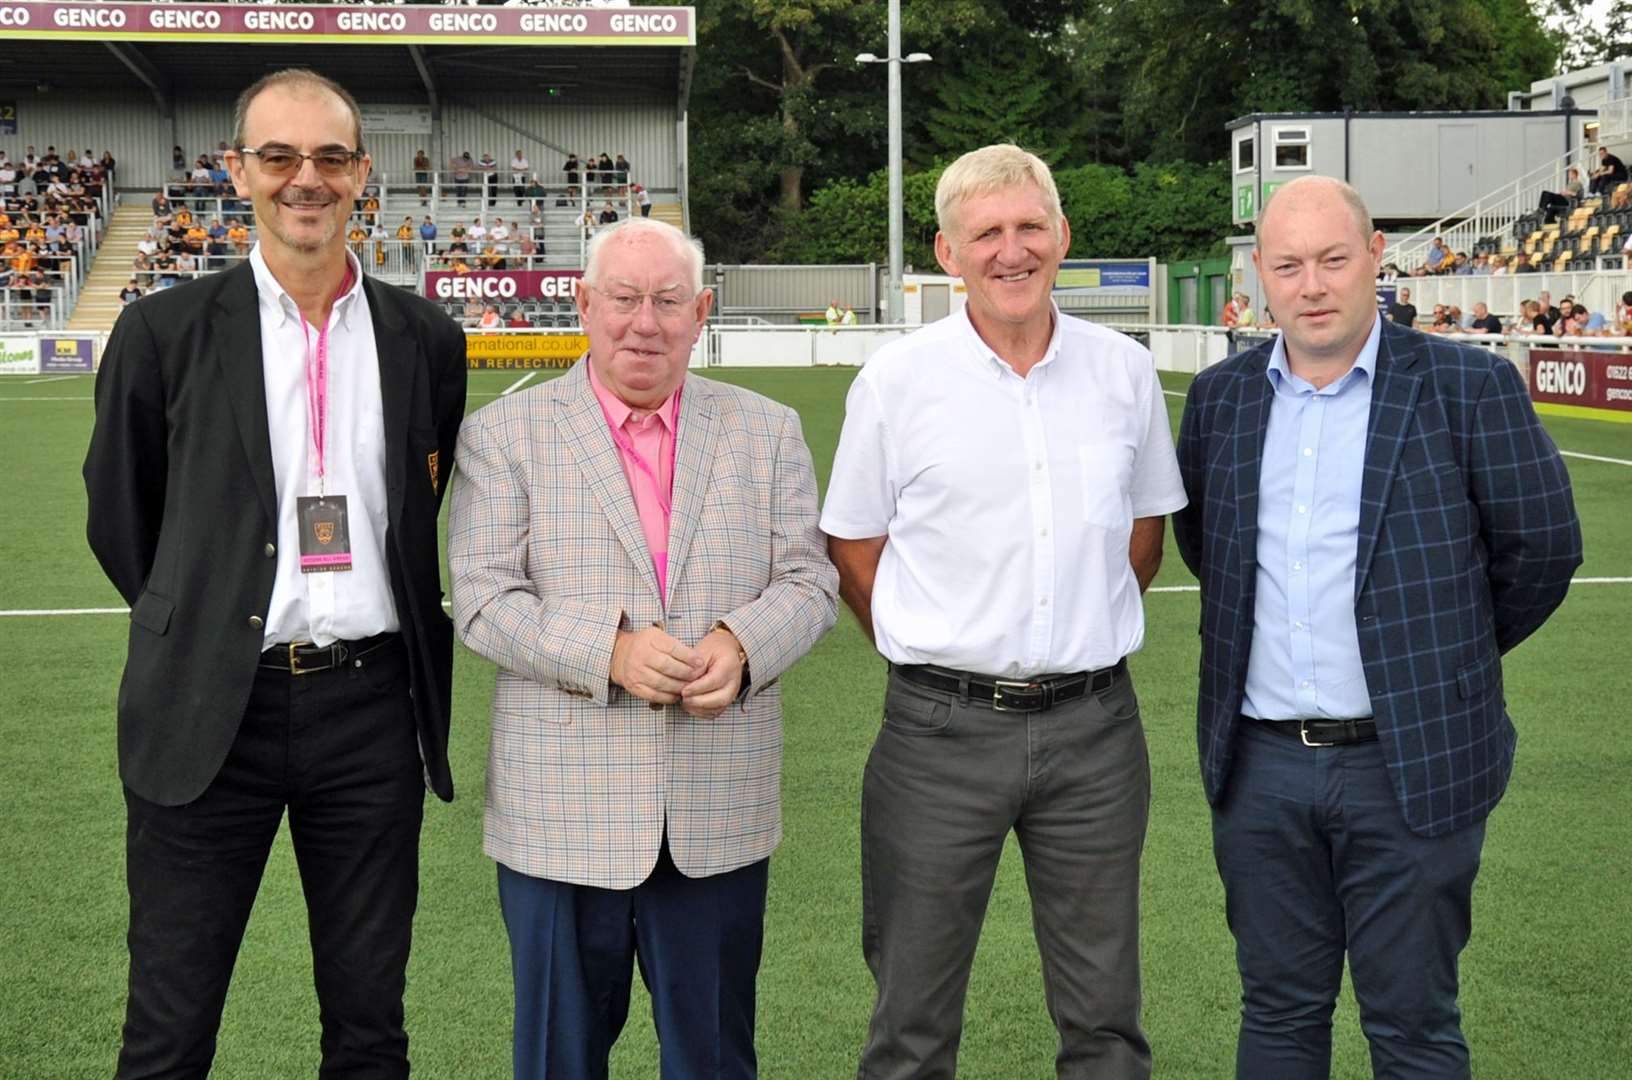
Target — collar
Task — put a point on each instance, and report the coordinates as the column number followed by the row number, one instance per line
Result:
column 966, row 328
column 1279, row 372
column 281, row 307
column 617, row 411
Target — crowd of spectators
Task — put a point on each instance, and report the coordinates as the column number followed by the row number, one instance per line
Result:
column 48, row 205
column 182, row 242
column 1535, row 317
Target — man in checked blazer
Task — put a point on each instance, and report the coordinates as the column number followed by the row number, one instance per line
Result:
column 637, row 550
column 1376, row 516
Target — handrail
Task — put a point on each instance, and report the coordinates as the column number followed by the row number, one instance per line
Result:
column 1491, row 214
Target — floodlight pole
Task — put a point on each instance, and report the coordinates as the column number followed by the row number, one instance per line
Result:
column 893, row 297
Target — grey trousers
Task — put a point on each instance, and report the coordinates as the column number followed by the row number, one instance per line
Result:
column 945, row 783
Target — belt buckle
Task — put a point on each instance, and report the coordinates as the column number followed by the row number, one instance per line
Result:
column 294, row 658
column 1303, row 733
column 1000, row 685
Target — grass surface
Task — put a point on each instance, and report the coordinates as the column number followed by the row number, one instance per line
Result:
column 1543, row 980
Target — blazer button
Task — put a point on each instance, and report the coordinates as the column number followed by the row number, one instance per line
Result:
column 271, row 550
column 256, row 622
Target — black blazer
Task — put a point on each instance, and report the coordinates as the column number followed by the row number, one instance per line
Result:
column 183, row 515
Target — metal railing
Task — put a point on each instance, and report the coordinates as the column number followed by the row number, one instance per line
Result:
column 21, row 309
column 1503, row 293
column 1492, row 214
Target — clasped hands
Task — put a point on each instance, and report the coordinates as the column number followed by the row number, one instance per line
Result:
column 658, row 668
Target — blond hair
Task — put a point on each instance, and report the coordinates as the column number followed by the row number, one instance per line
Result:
column 989, row 169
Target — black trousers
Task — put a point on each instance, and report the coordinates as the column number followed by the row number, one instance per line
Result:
column 338, row 750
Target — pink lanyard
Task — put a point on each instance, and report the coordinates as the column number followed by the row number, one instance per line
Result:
column 317, row 377
column 665, row 497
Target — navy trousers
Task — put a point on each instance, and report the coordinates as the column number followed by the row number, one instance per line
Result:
column 573, row 948
column 1317, row 861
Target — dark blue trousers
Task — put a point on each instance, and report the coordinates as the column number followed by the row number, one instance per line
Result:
column 1317, row 861
column 572, row 948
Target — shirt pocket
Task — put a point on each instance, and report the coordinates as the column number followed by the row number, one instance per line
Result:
column 1105, row 469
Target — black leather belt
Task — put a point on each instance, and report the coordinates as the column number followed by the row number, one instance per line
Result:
column 304, row 658
column 1012, row 695
column 1321, row 732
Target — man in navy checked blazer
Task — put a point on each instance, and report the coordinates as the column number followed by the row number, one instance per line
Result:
column 1376, row 516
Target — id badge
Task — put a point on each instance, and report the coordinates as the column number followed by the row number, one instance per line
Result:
column 325, row 536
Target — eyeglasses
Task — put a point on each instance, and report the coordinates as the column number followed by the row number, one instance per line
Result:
column 281, row 161
column 667, row 305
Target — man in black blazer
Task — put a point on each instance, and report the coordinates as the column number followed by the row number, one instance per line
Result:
column 270, row 451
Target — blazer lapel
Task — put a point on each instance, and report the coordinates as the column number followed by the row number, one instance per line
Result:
column 238, row 355
column 584, row 426
column 1253, row 393
column 396, row 350
column 1393, row 404
column 693, row 462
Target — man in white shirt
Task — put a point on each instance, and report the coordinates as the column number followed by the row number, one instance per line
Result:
column 475, row 234
column 995, row 510
column 500, row 232
column 269, row 455
column 519, row 166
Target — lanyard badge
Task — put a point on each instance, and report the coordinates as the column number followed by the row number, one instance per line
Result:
column 325, row 534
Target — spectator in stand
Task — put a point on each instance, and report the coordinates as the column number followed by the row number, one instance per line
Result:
column 1498, row 264
column 371, row 209
column 1402, row 310
column 571, row 169
column 1591, row 322
column 519, row 166
column 1611, row 170
column 491, row 320
column 427, row 233
column 490, row 178
column 1554, row 203
column 586, row 222
column 527, row 247
column 643, row 199
column 1483, row 321
column 178, row 163
column 463, row 166
column 605, row 169
column 1549, row 313
column 517, row 320
column 8, row 180
column 405, row 231
column 216, row 250
column 161, row 205
column 238, row 236
column 1461, row 267
column 609, row 215
column 477, row 233
column 108, row 164
column 491, row 258
column 1438, row 256
column 141, row 269
column 473, row 309
column 620, row 171
column 1623, row 316
column 1480, row 264
column 456, row 240
column 499, row 232
column 186, row 263
column 131, row 292
column 534, row 194
column 195, row 238
column 356, row 238
column 1520, row 264
column 1459, row 321
column 422, row 176
column 378, row 236
column 1626, row 253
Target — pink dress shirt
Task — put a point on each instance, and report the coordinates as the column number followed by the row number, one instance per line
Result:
column 646, row 451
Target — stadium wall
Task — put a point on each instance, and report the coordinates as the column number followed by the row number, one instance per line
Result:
column 140, row 137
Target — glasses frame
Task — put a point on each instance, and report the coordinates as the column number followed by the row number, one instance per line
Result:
column 686, row 304
column 352, row 158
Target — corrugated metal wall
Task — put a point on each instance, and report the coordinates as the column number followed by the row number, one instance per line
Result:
column 644, row 133
column 768, row 290
column 140, row 137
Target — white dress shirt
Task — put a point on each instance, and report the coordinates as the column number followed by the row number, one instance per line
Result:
column 1008, row 501
column 343, row 605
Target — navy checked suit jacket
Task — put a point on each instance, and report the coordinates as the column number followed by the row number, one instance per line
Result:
column 1467, row 541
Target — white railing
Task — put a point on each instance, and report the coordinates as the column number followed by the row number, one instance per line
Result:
column 1598, row 290
column 1491, row 215
column 1615, row 121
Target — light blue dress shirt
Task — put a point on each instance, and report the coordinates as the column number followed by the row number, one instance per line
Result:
column 1305, row 661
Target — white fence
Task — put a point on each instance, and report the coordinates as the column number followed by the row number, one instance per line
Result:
column 1598, row 290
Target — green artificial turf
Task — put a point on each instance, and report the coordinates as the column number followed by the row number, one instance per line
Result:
column 1543, row 979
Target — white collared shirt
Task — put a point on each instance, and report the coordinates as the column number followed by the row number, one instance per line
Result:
column 333, row 606
column 1008, row 501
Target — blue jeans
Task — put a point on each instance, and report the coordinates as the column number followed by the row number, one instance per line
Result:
column 1317, row 861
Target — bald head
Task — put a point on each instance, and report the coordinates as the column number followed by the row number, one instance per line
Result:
column 1313, row 192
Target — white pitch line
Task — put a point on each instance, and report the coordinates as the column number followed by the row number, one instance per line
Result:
column 47, row 397
column 1595, row 457
column 1175, row 588
column 49, row 378
column 518, row 384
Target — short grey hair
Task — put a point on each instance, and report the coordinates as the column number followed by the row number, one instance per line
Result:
column 1346, row 192
column 687, row 247
column 301, row 77
column 989, row 169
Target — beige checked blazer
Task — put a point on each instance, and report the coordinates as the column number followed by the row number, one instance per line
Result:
column 547, row 560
